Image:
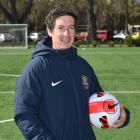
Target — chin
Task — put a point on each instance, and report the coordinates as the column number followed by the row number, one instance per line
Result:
column 68, row 45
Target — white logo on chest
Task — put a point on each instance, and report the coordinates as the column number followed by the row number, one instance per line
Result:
column 56, row 83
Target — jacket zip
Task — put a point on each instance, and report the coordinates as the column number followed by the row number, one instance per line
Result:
column 75, row 93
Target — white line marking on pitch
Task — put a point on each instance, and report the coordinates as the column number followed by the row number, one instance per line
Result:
column 5, row 121
column 5, row 92
column 8, row 75
column 130, row 92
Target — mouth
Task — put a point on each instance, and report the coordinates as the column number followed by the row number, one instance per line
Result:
column 67, row 41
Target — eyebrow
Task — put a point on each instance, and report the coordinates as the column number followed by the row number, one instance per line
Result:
column 65, row 26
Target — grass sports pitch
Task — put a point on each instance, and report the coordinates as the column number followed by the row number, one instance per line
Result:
column 118, row 70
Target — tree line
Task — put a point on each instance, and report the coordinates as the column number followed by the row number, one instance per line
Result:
column 99, row 14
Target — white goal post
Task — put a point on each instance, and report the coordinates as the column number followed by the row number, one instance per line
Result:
column 14, row 35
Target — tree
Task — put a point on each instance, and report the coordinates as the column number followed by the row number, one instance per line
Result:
column 101, row 14
column 92, row 19
column 12, row 13
column 134, row 12
column 112, row 14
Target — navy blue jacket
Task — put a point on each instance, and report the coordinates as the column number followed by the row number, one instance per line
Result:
column 52, row 93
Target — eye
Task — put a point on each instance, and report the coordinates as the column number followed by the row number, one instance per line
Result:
column 72, row 27
column 61, row 28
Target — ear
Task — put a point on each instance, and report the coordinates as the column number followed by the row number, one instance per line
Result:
column 49, row 32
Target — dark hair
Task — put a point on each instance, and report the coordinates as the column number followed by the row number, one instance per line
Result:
column 61, row 9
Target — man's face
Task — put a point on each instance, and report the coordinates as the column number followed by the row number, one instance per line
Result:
column 63, row 32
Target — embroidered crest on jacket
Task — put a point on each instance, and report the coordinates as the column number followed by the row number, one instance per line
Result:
column 85, row 81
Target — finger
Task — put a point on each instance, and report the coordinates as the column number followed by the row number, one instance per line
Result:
column 117, row 124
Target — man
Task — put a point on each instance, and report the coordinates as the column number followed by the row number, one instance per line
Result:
column 52, row 93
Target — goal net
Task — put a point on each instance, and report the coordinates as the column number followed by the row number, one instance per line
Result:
column 13, row 35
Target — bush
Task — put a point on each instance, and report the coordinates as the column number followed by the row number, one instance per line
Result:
column 77, row 43
column 136, row 42
column 111, row 43
column 94, row 43
column 80, row 42
column 128, row 41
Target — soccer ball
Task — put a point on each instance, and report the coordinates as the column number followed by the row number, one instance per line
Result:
column 104, row 109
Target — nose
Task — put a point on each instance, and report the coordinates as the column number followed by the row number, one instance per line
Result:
column 67, row 32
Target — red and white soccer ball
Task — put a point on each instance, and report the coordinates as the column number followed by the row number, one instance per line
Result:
column 104, row 109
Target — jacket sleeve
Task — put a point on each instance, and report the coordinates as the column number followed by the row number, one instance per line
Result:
column 95, row 85
column 27, row 99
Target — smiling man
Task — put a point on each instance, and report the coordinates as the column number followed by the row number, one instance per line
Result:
column 63, row 32
column 52, row 93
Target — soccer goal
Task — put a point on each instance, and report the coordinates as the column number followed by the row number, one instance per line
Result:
column 13, row 35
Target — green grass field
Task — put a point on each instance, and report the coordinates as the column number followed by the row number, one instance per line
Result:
column 118, row 70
